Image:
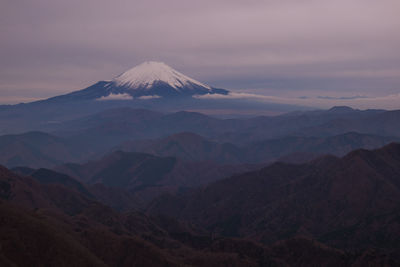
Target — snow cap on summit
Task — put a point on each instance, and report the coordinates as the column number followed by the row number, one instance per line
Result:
column 150, row 72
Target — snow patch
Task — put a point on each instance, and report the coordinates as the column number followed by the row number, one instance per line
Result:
column 113, row 96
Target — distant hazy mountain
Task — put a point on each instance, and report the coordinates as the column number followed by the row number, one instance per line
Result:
column 286, row 148
column 260, row 139
column 190, row 146
column 149, row 175
column 148, row 125
column 37, row 149
column 112, row 127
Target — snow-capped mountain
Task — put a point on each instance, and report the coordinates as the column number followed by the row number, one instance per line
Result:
column 147, row 74
column 145, row 81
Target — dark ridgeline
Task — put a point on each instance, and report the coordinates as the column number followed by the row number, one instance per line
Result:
column 352, row 203
column 330, row 212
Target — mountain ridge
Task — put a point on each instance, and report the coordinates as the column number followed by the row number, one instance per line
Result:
column 346, row 202
column 87, row 233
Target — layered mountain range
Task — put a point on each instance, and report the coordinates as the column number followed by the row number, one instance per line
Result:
column 196, row 137
column 350, row 202
column 125, row 173
column 290, row 215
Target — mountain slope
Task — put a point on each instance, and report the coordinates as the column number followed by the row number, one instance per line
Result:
column 338, row 145
column 190, row 146
column 98, row 236
column 25, row 240
column 351, row 202
column 147, row 175
column 187, row 146
column 79, row 230
column 33, row 149
column 38, row 149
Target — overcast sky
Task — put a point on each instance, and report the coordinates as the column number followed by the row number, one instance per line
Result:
column 341, row 51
